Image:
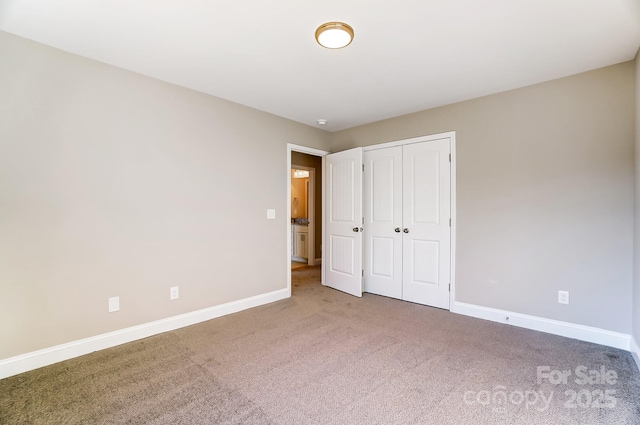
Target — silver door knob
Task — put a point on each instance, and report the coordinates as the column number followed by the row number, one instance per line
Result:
column 405, row 230
column 397, row 230
column 355, row 229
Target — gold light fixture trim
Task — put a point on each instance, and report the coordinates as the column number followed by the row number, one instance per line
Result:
column 334, row 35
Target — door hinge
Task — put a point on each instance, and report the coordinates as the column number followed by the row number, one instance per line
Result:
column 362, row 272
column 363, row 168
column 449, row 287
column 449, row 222
column 449, row 157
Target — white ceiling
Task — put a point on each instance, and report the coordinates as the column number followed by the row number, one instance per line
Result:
column 407, row 55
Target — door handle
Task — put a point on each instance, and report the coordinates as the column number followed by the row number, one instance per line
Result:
column 355, row 229
column 397, row 230
column 406, row 230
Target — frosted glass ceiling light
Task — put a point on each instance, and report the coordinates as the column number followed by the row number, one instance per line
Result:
column 334, row 35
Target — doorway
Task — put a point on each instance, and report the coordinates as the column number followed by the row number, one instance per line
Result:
column 307, row 218
column 303, row 209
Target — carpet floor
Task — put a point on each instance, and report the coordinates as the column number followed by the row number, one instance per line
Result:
column 324, row 357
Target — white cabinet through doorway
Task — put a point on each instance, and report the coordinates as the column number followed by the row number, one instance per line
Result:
column 300, row 245
column 407, row 212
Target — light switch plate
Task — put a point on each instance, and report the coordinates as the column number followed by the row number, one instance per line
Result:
column 114, row 304
column 271, row 214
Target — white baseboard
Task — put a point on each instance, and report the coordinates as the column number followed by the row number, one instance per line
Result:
column 317, row 261
column 635, row 351
column 36, row 359
column 556, row 327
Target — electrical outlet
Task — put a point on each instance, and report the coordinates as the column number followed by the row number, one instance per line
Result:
column 174, row 293
column 114, row 304
column 563, row 297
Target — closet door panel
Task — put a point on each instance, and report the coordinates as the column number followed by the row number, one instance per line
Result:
column 383, row 215
column 342, row 263
column 426, row 230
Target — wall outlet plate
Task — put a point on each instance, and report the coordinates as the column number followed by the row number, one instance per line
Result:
column 174, row 293
column 563, row 297
column 271, row 214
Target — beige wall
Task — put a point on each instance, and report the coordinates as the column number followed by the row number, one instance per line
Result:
column 114, row 184
column 299, row 158
column 545, row 178
column 636, row 268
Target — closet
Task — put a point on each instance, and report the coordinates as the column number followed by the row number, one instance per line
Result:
column 388, row 221
column 407, row 211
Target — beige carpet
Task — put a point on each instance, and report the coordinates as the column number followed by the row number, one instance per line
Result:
column 324, row 357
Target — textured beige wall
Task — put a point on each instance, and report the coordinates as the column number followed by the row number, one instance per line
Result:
column 299, row 158
column 114, row 184
column 545, row 178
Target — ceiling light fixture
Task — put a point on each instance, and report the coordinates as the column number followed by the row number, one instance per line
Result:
column 322, row 122
column 334, row 35
column 300, row 174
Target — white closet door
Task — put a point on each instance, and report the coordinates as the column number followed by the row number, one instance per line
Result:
column 343, row 270
column 383, row 222
column 426, row 228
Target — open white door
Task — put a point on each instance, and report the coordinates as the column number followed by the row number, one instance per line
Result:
column 343, row 254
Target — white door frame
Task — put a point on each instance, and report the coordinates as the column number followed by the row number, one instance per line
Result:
column 311, row 212
column 309, row 151
column 452, row 136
